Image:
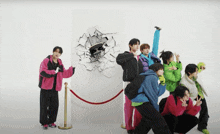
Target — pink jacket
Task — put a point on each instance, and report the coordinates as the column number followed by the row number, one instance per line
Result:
column 47, row 73
column 178, row 109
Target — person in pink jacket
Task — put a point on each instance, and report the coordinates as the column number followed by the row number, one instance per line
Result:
column 180, row 113
column 51, row 74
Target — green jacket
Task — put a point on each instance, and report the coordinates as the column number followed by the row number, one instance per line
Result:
column 172, row 77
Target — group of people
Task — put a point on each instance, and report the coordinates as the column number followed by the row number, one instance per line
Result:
column 175, row 113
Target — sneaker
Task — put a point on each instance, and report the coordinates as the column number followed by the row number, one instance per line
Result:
column 158, row 28
column 205, row 131
column 45, row 126
column 52, row 125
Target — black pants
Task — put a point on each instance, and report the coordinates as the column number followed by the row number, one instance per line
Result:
column 151, row 118
column 181, row 124
column 171, row 92
column 49, row 104
column 203, row 116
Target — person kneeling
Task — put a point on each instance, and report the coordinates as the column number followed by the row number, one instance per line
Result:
column 179, row 112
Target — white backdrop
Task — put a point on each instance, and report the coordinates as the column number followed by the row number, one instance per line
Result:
column 30, row 30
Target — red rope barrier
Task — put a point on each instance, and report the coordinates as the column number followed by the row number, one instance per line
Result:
column 96, row 103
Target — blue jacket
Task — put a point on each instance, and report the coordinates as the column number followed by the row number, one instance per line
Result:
column 150, row 90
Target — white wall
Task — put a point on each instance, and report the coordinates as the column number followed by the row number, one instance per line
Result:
column 93, row 85
column 29, row 31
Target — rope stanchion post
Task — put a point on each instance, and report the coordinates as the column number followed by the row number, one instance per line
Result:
column 123, row 122
column 65, row 110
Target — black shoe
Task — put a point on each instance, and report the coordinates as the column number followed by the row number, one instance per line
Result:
column 130, row 131
column 158, row 28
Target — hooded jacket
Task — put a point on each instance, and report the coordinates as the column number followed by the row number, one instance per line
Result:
column 172, row 77
column 47, row 74
column 191, row 85
column 150, row 88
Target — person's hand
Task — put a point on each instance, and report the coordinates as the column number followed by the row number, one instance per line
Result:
column 162, row 80
column 57, row 70
column 177, row 57
column 183, row 102
column 172, row 68
column 198, row 101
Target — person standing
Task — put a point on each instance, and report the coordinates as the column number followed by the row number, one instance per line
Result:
column 51, row 74
column 172, row 70
column 132, row 67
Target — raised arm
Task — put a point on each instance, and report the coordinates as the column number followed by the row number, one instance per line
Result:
column 156, row 42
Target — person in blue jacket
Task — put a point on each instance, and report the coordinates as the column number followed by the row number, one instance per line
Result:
column 146, row 102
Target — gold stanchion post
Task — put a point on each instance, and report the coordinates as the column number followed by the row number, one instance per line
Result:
column 65, row 110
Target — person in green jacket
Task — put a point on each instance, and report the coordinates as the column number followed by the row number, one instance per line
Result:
column 172, row 70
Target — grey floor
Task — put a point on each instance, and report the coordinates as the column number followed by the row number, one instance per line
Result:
column 87, row 129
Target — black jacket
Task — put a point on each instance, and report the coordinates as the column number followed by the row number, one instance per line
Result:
column 131, row 67
column 131, row 70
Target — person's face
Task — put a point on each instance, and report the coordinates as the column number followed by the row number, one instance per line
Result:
column 194, row 74
column 160, row 72
column 135, row 47
column 171, row 58
column 186, row 96
column 145, row 51
column 56, row 54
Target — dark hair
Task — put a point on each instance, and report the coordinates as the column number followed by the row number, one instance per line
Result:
column 133, row 41
column 60, row 49
column 156, row 66
column 144, row 46
column 166, row 56
column 190, row 68
column 180, row 91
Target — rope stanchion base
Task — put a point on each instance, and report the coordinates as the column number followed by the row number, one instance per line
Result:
column 65, row 127
column 123, row 126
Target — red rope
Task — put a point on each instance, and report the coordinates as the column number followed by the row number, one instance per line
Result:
column 95, row 103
